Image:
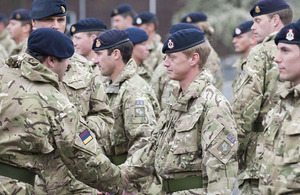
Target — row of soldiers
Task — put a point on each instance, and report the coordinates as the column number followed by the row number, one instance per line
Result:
column 87, row 123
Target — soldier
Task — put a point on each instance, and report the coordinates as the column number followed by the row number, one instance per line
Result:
column 243, row 41
column 280, row 175
column 122, row 16
column 213, row 63
column 19, row 29
column 83, row 86
column 255, row 94
column 132, row 100
column 193, row 148
column 148, row 22
column 84, row 33
column 38, row 123
column 5, row 39
column 140, row 52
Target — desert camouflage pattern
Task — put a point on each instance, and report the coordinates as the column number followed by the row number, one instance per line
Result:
column 156, row 56
column 39, row 125
column 7, row 42
column 213, row 64
column 196, row 135
column 253, row 98
column 238, row 65
column 279, row 172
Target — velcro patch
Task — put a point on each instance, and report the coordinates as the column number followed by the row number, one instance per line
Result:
column 224, row 147
column 139, row 102
column 85, row 136
column 230, row 138
column 139, row 111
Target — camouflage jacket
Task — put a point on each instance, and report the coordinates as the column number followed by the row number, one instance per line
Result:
column 3, row 55
column 134, row 108
column 279, row 168
column 18, row 49
column 254, row 96
column 238, row 65
column 145, row 72
column 156, row 56
column 196, row 135
column 39, row 124
column 7, row 42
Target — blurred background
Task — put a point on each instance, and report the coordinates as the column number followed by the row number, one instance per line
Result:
column 223, row 15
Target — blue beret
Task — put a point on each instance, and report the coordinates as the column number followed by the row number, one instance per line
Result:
column 268, row 6
column 144, row 18
column 21, row 15
column 181, row 25
column 87, row 24
column 194, row 17
column 121, row 9
column 242, row 28
column 44, row 8
column 136, row 35
column 110, row 39
column 2, row 17
column 50, row 42
column 289, row 34
column 183, row 39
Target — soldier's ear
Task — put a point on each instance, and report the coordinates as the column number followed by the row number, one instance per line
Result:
column 195, row 57
column 49, row 62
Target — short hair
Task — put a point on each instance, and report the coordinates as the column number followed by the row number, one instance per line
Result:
column 40, row 58
column 97, row 33
column 286, row 15
column 131, row 13
column 125, row 48
column 206, row 28
column 23, row 23
column 202, row 49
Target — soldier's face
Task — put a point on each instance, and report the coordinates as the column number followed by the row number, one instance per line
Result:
column 83, row 44
column 60, row 67
column 140, row 52
column 177, row 65
column 288, row 60
column 105, row 62
column 57, row 23
column 243, row 42
column 121, row 23
column 262, row 27
column 16, row 30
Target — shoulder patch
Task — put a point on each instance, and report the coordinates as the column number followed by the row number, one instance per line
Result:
column 85, row 136
column 224, row 147
column 230, row 138
column 139, row 102
column 139, row 111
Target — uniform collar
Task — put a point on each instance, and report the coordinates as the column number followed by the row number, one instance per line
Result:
column 289, row 89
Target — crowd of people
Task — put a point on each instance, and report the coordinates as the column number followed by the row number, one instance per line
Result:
column 91, row 110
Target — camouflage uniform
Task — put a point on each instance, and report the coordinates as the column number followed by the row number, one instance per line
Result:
column 44, row 127
column 7, row 42
column 279, row 168
column 238, row 65
column 253, row 98
column 145, row 72
column 155, row 56
column 195, row 138
column 18, row 48
column 3, row 55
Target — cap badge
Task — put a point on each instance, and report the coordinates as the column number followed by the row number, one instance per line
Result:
column 290, row 35
column 257, row 9
column 98, row 43
column 139, row 21
column 188, row 19
column 116, row 11
column 170, row 44
column 63, row 9
column 18, row 16
column 73, row 29
column 238, row 31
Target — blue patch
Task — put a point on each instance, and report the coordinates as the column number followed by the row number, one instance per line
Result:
column 139, row 102
column 243, row 72
column 230, row 138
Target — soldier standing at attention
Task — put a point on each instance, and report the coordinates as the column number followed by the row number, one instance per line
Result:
column 19, row 29
column 133, row 102
column 83, row 86
column 122, row 17
column 39, row 124
column 213, row 63
column 280, row 164
column 193, row 148
column 243, row 41
column 255, row 94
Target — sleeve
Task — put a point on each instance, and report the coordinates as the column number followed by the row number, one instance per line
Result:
column 79, row 151
column 219, row 145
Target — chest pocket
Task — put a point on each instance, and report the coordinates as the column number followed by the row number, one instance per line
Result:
column 291, row 144
column 186, row 137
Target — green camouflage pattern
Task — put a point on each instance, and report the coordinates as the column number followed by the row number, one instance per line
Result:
column 6, row 41
column 279, row 172
column 3, row 55
column 18, row 49
column 238, row 65
column 156, row 56
column 196, row 135
column 39, row 125
column 253, row 97
column 144, row 71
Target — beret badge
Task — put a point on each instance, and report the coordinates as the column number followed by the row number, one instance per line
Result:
column 238, row 31
column 139, row 21
column 63, row 9
column 257, row 9
column 189, row 19
column 116, row 11
column 170, row 44
column 98, row 43
column 18, row 16
column 73, row 29
column 290, row 34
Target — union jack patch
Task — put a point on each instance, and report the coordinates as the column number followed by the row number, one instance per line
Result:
column 139, row 102
column 230, row 138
